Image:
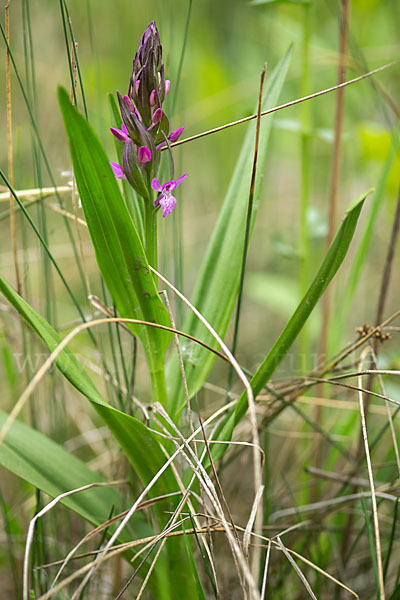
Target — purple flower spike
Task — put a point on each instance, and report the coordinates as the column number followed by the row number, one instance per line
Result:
column 121, row 134
column 175, row 135
column 144, row 155
column 165, row 199
column 118, row 171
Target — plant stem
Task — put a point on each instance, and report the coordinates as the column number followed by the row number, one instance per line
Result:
column 151, row 233
column 304, row 241
column 158, row 384
column 157, row 371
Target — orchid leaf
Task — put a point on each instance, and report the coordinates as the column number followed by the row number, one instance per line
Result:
column 218, row 281
column 139, row 444
column 119, row 250
column 47, row 466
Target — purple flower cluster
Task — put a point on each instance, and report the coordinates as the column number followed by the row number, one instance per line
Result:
column 145, row 127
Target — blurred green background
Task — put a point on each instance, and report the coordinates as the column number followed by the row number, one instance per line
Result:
column 228, row 42
column 227, row 45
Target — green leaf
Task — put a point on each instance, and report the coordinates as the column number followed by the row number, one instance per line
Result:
column 119, row 250
column 218, row 282
column 46, row 465
column 139, row 444
column 332, row 261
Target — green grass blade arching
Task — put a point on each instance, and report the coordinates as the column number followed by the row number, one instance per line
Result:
column 218, row 282
column 46, row 465
column 139, row 445
column 119, row 251
column 330, row 265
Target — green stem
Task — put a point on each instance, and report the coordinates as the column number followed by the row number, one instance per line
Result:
column 150, row 218
column 304, row 241
column 157, row 371
column 158, row 385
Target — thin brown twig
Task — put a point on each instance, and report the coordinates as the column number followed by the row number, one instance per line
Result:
column 375, row 348
column 333, row 197
column 286, row 105
column 53, row 356
column 385, row 282
column 378, row 547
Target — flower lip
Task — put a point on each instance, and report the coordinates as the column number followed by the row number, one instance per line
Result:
column 165, row 199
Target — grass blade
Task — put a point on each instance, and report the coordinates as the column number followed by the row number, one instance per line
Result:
column 218, row 282
column 119, row 250
column 333, row 259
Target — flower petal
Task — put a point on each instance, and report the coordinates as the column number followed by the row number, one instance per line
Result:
column 169, row 186
column 175, row 135
column 120, row 134
column 179, row 181
column 118, row 171
column 156, row 185
column 167, row 86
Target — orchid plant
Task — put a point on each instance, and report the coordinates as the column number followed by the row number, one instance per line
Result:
column 125, row 250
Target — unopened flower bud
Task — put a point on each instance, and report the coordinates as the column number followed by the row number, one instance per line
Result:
column 144, row 155
column 157, row 116
column 175, row 135
column 128, row 103
column 153, row 99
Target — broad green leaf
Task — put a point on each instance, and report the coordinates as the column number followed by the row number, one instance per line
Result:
column 218, row 281
column 119, row 250
column 139, row 444
column 332, row 261
column 46, row 465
